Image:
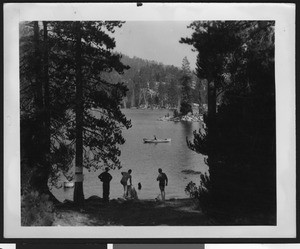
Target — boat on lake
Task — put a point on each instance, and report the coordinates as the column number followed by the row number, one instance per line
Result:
column 149, row 140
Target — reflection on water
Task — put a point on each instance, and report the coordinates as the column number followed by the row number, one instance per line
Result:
column 145, row 159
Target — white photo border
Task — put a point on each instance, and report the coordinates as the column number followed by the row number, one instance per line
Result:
column 284, row 17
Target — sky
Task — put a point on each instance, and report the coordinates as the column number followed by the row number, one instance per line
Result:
column 156, row 40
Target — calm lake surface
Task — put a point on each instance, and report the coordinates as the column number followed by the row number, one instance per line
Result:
column 145, row 159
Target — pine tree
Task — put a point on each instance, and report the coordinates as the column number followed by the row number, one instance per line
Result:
column 237, row 59
column 74, row 93
column 185, row 80
column 97, row 133
column 79, row 111
column 35, row 112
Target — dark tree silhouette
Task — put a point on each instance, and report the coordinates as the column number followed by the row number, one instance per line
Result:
column 76, row 103
column 186, row 91
column 237, row 59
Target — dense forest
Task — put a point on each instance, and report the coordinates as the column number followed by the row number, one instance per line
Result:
column 155, row 85
column 237, row 59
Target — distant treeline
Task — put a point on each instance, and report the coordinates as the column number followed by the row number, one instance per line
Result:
column 153, row 84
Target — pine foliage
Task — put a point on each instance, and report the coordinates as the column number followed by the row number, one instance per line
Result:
column 241, row 148
column 103, row 120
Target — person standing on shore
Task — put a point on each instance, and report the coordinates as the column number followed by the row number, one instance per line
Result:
column 105, row 177
column 163, row 181
column 124, row 181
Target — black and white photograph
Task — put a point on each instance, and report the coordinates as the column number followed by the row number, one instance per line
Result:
column 151, row 122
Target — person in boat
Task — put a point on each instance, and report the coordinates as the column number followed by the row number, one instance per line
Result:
column 163, row 181
column 124, row 181
column 155, row 137
column 105, row 177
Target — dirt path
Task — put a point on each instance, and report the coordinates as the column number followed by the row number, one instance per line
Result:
column 130, row 213
column 73, row 218
column 174, row 212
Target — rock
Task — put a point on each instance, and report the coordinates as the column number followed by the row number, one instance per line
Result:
column 187, row 118
column 190, row 171
column 94, row 197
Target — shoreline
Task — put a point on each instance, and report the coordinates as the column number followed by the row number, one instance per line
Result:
column 182, row 118
column 121, row 212
column 150, row 212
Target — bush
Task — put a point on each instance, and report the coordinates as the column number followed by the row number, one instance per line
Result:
column 200, row 192
column 175, row 113
column 192, row 190
column 185, row 108
column 36, row 209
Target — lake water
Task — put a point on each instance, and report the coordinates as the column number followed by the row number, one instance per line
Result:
column 145, row 159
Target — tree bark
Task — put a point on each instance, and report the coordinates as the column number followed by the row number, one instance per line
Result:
column 132, row 98
column 37, row 66
column 46, row 90
column 39, row 178
column 78, row 191
column 179, row 102
column 211, row 115
column 47, row 116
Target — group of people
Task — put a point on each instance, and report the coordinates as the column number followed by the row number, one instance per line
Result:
column 126, row 182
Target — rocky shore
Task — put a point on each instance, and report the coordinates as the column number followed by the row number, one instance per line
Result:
column 185, row 118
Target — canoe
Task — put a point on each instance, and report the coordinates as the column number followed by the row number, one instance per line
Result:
column 68, row 184
column 167, row 140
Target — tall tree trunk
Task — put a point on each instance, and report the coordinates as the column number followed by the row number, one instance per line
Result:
column 211, row 125
column 38, row 180
column 199, row 102
column 178, row 102
column 37, row 66
column 125, row 103
column 47, row 133
column 144, row 92
column 40, row 176
column 78, row 191
column 46, row 90
column 132, row 98
column 140, row 98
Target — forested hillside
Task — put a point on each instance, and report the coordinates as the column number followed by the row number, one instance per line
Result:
column 155, row 85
